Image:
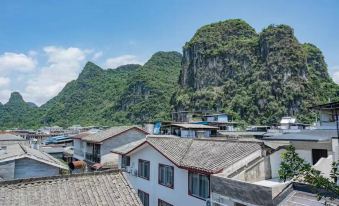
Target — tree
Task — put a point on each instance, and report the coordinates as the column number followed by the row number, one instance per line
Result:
column 293, row 167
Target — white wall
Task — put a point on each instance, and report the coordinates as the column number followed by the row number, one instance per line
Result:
column 27, row 168
column 275, row 160
column 306, row 155
column 119, row 140
column 177, row 196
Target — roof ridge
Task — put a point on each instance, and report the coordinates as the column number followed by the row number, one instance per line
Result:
column 57, row 177
column 23, row 149
column 185, row 153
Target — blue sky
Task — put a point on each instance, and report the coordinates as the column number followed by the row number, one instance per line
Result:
column 44, row 44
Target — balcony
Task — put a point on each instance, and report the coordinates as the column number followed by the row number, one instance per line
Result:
column 93, row 157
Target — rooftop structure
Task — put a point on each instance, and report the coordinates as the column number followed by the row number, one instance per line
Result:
column 111, row 132
column 204, row 155
column 18, row 151
column 104, row 188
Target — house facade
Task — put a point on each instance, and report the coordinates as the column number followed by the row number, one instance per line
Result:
column 93, row 147
column 177, row 171
column 19, row 161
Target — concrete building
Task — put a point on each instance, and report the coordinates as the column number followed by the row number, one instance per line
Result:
column 311, row 145
column 18, row 161
column 99, row 189
column 92, row 147
column 177, row 171
column 8, row 139
column 187, row 130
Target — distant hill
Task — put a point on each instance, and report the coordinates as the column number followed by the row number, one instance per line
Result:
column 17, row 112
column 125, row 95
column 256, row 77
column 226, row 67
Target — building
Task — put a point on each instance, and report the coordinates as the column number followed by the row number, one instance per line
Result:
column 18, row 161
column 311, row 145
column 8, row 139
column 177, row 171
column 102, row 188
column 188, row 130
column 92, row 147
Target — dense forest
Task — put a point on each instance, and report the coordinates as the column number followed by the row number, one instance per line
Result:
column 226, row 67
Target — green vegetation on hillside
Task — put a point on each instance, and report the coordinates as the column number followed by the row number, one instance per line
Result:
column 226, row 67
column 257, row 78
column 128, row 94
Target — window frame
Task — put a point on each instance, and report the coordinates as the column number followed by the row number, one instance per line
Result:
column 140, row 169
column 144, row 193
column 125, row 161
column 190, row 173
column 164, row 202
column 159, row 179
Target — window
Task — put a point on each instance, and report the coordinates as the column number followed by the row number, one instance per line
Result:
column 198, row 185
column 125, row 161
column 144, row 197
column 166, row 175
column 163, row 203
column 143, row 169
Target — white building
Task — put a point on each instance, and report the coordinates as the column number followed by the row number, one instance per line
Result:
column 170, row 171
column 18, row 161
column 93, row 146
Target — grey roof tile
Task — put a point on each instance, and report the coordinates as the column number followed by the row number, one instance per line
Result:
column 104, row 188
column 207, row 155
column 18, row 151
column 111, row 132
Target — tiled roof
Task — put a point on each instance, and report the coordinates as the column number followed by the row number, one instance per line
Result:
column 10, row 137
column 111, row 132
column 104, row 188
column 18, row 151
column 207, row 155
column 81, row 135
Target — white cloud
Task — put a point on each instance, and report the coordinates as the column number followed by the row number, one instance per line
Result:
column 10, row 62
column 4, row 95
column 335, row 74
column 63, row 65
column 114, row 62
column 4, row 82
column 97, row 55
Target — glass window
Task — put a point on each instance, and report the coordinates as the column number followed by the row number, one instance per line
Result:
column 163, row 203
column 144, row 197
column 125, row 161
column 166, row 175
column 198, row 185
column 144, row 169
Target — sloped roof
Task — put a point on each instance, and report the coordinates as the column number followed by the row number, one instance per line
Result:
column 206, row 155
column 305, row 135
column 111, row 132
column 10, row 137
column 104, row 188
column 194, row 126
column 18, row 151
column 81, row 135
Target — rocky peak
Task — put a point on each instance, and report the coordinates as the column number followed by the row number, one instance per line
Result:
column 15, row 99
column 90, row 71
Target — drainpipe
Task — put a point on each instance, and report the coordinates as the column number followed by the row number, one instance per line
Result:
column 335, row 143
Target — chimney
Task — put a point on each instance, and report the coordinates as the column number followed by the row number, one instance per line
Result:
column 34, row 144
